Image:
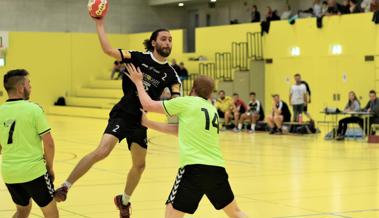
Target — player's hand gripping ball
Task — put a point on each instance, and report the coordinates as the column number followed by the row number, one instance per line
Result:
column 98, row 8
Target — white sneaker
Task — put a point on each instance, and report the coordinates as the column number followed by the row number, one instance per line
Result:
column 236, row 129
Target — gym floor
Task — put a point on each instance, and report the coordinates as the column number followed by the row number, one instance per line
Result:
column 272, row 176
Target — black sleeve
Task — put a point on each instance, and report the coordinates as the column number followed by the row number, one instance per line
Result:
column 126, row 60
column 307, row 87
column 367, row 106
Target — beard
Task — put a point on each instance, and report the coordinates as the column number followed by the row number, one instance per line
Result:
column 26, row 94
column 164, row 52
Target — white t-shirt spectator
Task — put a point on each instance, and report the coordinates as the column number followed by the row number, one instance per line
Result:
column 297, row 94
column 317, row 10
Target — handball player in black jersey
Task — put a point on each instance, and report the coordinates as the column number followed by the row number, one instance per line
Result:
column 125, row 117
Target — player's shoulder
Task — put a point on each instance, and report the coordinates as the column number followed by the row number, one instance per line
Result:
column 34, row 106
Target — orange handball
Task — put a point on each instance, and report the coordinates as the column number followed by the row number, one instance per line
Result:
column 98, row 8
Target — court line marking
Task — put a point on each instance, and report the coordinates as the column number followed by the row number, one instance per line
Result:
column 72, row 212
column 338, row 214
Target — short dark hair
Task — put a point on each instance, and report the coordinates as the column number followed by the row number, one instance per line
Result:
column 221, row 91
column 116, row 62
column 13, row 78
column 252, row 93
column 373, row 92
column 148, row 43
column 296, row 75
column 275, row 95
column 203, row 86
column 235, row 94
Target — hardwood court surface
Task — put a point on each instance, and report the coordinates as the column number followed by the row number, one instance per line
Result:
column 271, row 176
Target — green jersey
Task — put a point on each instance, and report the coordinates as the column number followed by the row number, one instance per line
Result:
column 21, row 125
column 198, row 130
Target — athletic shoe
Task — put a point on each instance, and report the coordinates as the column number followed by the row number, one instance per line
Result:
column 272, row 131
column 60, row 194
column 279, row 132
column 223, row 128
column 251, row 131
column 236, row 130
column 125, row 211
column 340, row 138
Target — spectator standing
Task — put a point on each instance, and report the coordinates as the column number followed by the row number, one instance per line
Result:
column 298, row 97
column 255, row 14
column 317, row 8
column 287, row 13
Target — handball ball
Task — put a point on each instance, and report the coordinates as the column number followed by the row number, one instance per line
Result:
column 98, row 8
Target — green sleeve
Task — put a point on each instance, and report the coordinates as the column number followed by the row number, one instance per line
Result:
column 41, row 122
column 175, row 106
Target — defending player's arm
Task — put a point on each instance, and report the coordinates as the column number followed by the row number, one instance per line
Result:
column 161, row 127
column 147, row 103
column 105, row 45
column 49, row 151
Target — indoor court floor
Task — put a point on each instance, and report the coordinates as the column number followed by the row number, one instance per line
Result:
column 271, row 176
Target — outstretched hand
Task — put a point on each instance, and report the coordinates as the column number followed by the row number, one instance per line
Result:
column 134, row 74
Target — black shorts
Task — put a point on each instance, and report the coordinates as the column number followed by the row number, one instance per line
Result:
column 129, row 127
column 125, row 125
column 193, row 181
column 220, row 113
column 306, row 108
column 41, row 190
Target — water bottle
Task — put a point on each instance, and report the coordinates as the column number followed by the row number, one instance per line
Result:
column 300, row 118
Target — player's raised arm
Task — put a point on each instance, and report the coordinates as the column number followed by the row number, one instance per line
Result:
column 105, row 45
column 147, row 103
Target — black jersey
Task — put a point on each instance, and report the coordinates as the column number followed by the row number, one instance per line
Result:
column 156, row 77
column 282, row 106
column 256, row 107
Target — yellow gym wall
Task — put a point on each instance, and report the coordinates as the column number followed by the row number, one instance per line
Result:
column 61, row 63
column 46, row 57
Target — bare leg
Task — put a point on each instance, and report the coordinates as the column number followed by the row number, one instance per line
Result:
column 172, row 213
column 236, row 118
column 135, row 173
column 23, row 211
column 107, row 144
column 270, row 121
column 227, row 117
column 233, row 211
column 278, row 121
column 51, row 210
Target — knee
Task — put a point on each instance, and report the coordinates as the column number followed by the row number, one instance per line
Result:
column 101, row 152
column 139, row 167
